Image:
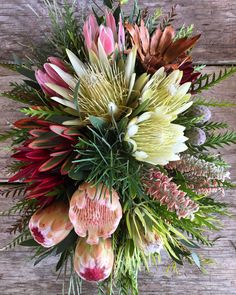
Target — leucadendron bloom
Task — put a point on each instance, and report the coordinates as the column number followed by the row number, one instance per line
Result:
column 50, row 225
column 154, row 138
column 94, row 262
column 95, row 212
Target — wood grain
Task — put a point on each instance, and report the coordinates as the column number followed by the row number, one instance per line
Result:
column 216, row 19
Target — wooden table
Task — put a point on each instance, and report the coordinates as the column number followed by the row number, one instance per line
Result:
column 216, row 19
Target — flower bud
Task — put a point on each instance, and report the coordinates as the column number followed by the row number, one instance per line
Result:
column 201, row 111
column 95, row 211
column 94, row 262
column 196, row 136
column 50, row 225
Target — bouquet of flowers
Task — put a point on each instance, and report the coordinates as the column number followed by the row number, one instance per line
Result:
column 115, row 157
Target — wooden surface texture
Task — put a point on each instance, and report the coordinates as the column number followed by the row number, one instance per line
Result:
column 216, row 19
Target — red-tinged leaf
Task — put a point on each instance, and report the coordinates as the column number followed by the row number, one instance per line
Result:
column 57, row 154
column 58, row 129
column 38, row 155
column 71, row 132
column 24, row 173
column 44, row 143
column 30, row 123
column 38, row 132
column 67, row 165
column 21, row 156
column 51, row 163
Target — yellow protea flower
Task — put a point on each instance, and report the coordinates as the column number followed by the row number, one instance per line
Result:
column 101, row 87
column 154, row 138
column 165, row 91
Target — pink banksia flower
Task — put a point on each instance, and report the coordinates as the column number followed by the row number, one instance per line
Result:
column 50, row 225
column 95, row 212
column 205, row 186
column 49, row 75
column 103, row 38
column 160, row 187
column 94, row 262
column 191, row 166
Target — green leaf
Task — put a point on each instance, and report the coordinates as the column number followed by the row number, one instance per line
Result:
column 26, row 72
column 196, row 259
column 77, row 174
column 98, row 122
column 44, row 255
column 29, row 243
column 189, row 244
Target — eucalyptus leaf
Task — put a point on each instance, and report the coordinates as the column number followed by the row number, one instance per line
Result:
column 196, row 259
column 98, row 122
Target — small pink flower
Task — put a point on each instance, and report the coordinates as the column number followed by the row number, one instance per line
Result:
column 107, row 39
column 50, row 225
column 94, row 263
column 90, row 31
column 111, row 23
column 95, row 212
column 49, row 75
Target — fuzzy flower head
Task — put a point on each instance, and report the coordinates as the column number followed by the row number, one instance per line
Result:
column 94, row 263
column 154, row 138
column 166, row 92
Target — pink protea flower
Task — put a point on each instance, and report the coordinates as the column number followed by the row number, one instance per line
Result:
column 104, row 38
column 49, row 75
column 161, row 188
column 94, row 263
column 95, row 212
column 50, row 225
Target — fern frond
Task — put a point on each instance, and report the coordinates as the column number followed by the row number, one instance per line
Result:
column 213, row 102
column 43, row 112
column 218, row 140
column 169, row 18
column 214, row 125
column 207, row 81
column 13, row 191
column 17, row 241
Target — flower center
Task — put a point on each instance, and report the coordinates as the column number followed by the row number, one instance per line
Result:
column 37, row 235
column 93, row 274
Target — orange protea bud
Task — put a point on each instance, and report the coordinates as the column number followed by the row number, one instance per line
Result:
column 95, row 211
column 50, row 225
column 94, row 262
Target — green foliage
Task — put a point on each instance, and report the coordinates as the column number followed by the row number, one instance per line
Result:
column 17, row 241
column 43, row 112
column 66, row 32
column 24, row 93
column 214, row 125
column 219, row 140
column 184, row 32
column 16, row 135
column 207, row 81
column 213, row 102
column 169, row 18
column 13, row 191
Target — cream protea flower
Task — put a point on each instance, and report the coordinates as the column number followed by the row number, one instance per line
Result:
column 94, row 262
column 50, row 225
column 101, row 88
column 154, row 138
column 95, row 212
column 164, row 91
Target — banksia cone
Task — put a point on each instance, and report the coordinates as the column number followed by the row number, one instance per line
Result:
column 161, row 188
column 194, row 167
column 50, row 225
column 95, row 212
column 94, row 262
column 205, row 186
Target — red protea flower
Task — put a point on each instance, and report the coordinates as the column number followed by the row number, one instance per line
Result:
column 160, row 49
column 95, row 212
column 46, row 156
column 50, row 225
column 94, row 262
column 161, row 188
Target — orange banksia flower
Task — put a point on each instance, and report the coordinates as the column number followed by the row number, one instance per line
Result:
column 161, row 49
column 94, row 262
column 95, row 212
column 50, row 225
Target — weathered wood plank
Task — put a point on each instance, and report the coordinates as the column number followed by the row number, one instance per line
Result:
column 215, row 19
